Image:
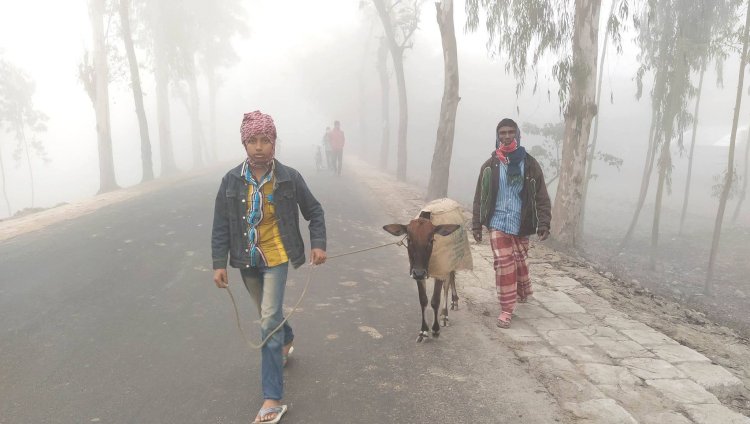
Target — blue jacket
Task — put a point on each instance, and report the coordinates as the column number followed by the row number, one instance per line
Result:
column 290, row 195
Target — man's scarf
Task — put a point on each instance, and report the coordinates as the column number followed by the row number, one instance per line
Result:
column 258, row 123
column 511, row 155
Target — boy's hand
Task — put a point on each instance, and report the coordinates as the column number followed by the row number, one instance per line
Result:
column 220, row 278
column 317, row 256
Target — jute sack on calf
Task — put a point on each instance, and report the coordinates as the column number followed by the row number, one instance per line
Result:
column 451, row 252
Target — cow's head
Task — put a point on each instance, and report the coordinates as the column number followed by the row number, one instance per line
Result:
column 420, row 233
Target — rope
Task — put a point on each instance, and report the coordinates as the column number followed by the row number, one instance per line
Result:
column 301, row 297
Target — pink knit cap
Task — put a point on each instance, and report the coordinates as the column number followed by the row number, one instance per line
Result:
column 257, row 123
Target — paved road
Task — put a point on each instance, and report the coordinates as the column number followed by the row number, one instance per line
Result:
column 113, row 318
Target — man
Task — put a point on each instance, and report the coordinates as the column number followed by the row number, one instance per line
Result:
column 511, row 200
column 256, row 223
column 337, row 146
column 327, row 148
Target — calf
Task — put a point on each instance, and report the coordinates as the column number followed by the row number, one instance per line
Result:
column 420, row 235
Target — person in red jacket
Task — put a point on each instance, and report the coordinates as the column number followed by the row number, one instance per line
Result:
column 337, row 146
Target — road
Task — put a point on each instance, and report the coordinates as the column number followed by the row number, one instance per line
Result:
column 112, row 317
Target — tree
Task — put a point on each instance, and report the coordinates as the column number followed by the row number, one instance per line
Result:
column 611, row 22
column 441, row 158
column 673, row 46
column 19, row 117
column 719, row 25
column 729, row 175
column 135, row 82
column 400, row 21
column 743, row 191
column 95, row 77
column 219, row 22
column 548, row 153
column 385, row 102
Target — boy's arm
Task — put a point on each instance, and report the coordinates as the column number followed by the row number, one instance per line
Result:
column 312, row 211
column 220, row 230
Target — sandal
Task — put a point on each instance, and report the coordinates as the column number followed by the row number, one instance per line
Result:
column 278, row 410
column 503, row 321
column 285, row 358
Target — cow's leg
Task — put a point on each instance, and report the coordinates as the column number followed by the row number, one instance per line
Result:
column 454, row 294
column 444, row 311
column 435, row 303
column 423, row 302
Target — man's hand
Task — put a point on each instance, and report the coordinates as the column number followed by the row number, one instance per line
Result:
column 220, row 278
column 317, row 256
column 543, row 234
column 477, row 235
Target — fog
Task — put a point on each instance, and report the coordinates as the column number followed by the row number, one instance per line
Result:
column 305, row 67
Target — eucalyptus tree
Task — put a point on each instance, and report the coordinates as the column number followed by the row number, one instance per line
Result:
column 441, row 158
column 400, row 20
column 135, row 83
column 669, row 33
column 719, row 24
column 613, row 28
column 19, row 117
column 743, row 190
column 527, row 30
column 673, row 37
column 385, row 102
column 94, row 74
column 729, row 175
column 218, row 23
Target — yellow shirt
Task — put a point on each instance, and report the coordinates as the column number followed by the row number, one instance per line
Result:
column 269, row 237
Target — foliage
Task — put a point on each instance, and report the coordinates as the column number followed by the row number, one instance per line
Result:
column 525, row 31
column 18, row 115
column 721, row 179
column 548, row 153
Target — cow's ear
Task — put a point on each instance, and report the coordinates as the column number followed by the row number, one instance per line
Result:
column 446, row 229
column 395, row 229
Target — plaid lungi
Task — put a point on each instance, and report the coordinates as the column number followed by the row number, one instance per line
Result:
column 511, row 272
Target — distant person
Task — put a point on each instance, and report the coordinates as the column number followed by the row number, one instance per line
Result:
column 511, row 201
column 337, row 146
column 327, row 148
column 256, row 224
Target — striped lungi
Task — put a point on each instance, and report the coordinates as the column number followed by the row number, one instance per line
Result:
column 511, row 272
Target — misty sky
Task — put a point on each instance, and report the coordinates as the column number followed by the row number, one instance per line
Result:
column 304, row 69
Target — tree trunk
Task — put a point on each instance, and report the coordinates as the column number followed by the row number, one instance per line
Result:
column 665, row 164
column 566, row 213
column 161, row 74
column 28, row 157
column 107, row 180
column 744, row 179
column 385, row 103
column 441, row 158
column 692, row 150
column 5, row 193
column 397, row 53
column 196, row 129
column 730, row 161
column 135, row 79
column 648, row 167
column 592, row 145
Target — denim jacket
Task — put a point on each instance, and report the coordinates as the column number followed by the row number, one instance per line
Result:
column 290, row 195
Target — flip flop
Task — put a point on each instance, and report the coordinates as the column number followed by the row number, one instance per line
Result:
column 285, row 358
column 278, row 410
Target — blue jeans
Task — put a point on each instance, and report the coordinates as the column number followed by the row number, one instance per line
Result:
column 266, row 286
